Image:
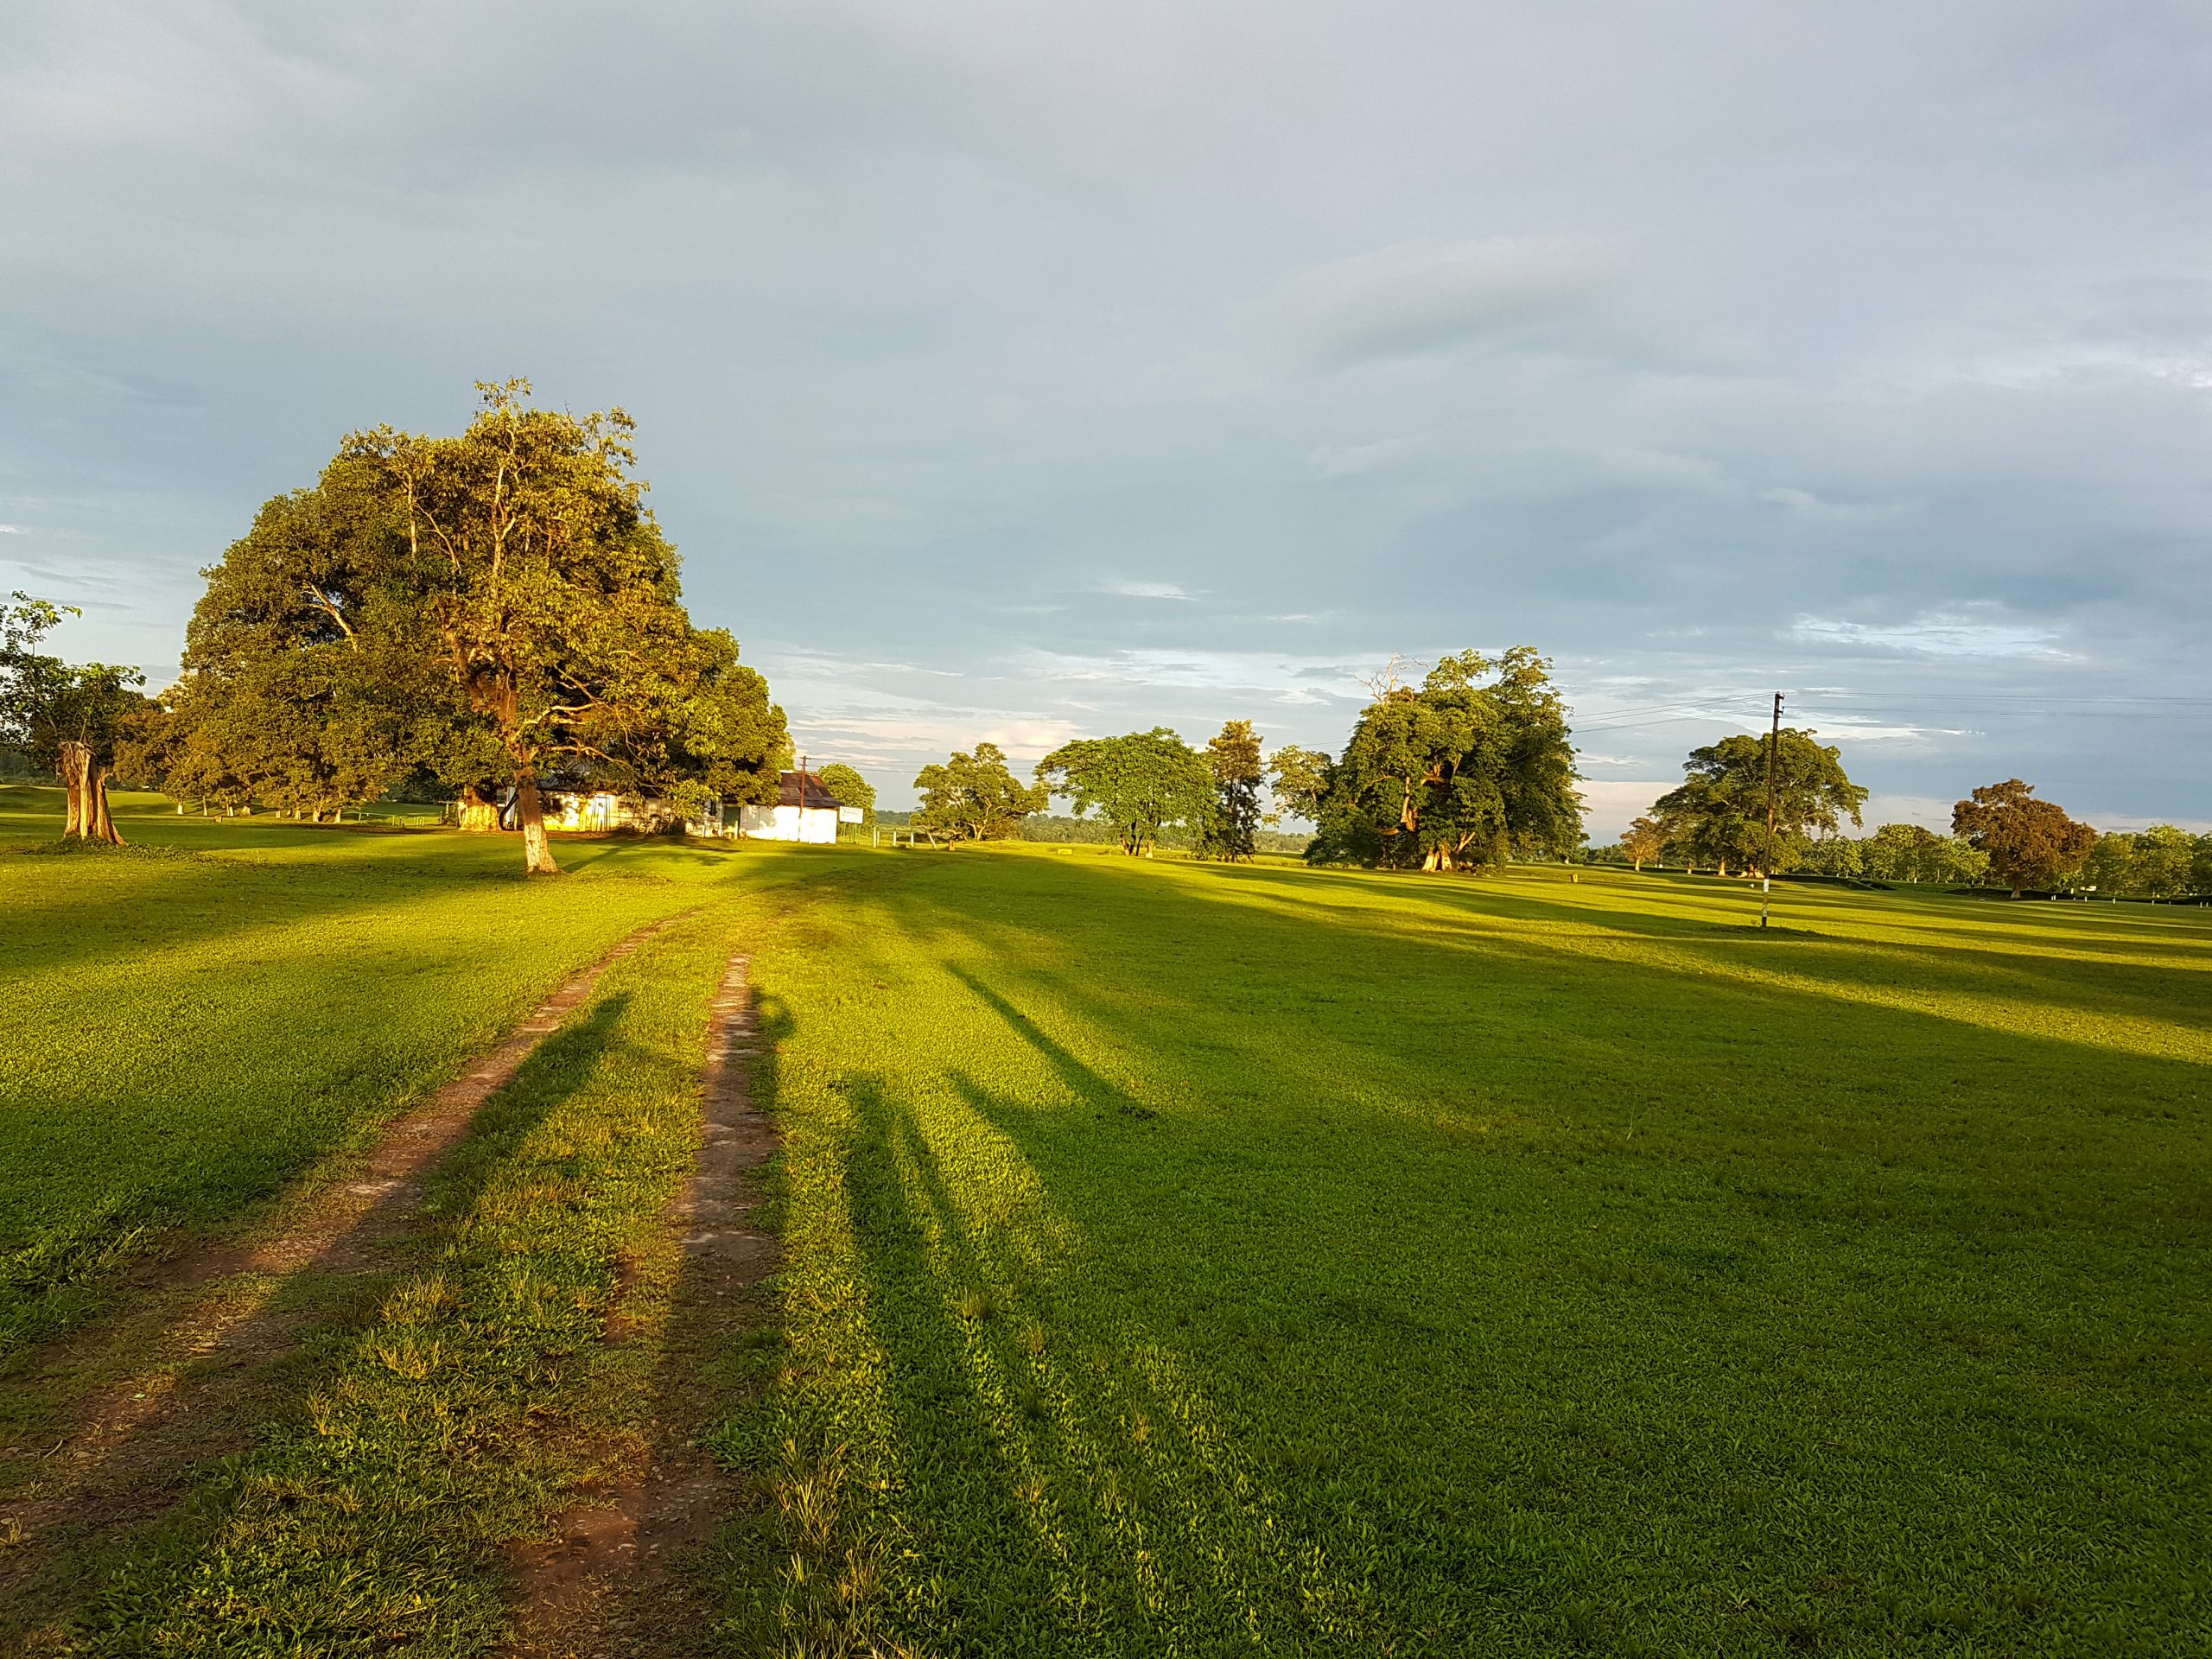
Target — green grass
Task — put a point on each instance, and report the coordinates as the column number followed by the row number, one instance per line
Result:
column 1180, row 1260
column 194, row 1019
column 479, row 1396
column 1190, row 1261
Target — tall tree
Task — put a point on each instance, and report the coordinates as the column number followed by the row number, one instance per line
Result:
column 2029, row 843
column 65, row 717
column 1232, row 830
column 1139, row 783
column 851, row 788
column 1719, row 815
column 975, row 796
column 1472, row 768
column 548, row 597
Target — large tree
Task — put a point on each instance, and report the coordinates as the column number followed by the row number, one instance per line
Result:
column 1719, row 815
column 65, row 717
column 531, row 606
column 1232, row 830
column 1470, row 768
column 1643, row 841
column 1138, row 783
column 2029, row 843
column 975, row 796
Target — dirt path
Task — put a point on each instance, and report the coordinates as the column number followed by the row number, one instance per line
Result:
column 197, row 1358
column 610, row 1581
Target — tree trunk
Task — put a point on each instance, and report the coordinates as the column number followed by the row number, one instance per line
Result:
column 530, row 813
column 89, row 817
column 73, row 761
column 101, row 824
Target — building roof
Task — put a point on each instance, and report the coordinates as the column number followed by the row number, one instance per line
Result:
column 804, row 789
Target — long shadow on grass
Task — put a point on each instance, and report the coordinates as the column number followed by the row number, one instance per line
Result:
column 130, row 1523
column 1073, row 1493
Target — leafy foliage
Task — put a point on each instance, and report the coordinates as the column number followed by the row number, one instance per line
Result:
column 851, row 788
column 1719, row 815
column 1138, row 783
column 975, row 796
column 2029, row 843
column 1231, row 830
column 1643, row 841
column 66, row 718
column 1471, row 768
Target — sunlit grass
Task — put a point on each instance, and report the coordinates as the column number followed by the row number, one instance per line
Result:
column 1192, row 1260
column 188, row 1023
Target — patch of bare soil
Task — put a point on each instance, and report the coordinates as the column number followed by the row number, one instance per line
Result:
column 611, row 1579
column 204, row 1348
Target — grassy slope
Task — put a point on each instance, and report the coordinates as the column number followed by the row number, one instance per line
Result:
column 193, row 1020
column 1192, row 1260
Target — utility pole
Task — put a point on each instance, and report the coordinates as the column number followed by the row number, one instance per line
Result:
column 1773, row 751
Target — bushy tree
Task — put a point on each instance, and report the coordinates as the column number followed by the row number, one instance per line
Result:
column 1643, row 841
column 1472, row 768
column 974, row 798
column 1138, row 783
column 67, row 718
column 1719, row 815
column 2029, row 843
column 2164, row 858
column 1231, row 830
column 851, row 788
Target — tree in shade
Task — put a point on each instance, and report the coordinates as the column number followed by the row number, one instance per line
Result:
column 1138, row 783
column 1719, row 815
column 974, row 798
column 67, row 718
column 1472, row 766
column 2029, row 843
column 1231, row 830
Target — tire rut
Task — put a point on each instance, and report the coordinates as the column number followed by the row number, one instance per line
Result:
column 605, row 1580
column 217, row 1326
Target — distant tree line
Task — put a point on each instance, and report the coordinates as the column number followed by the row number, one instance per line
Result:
column 1733, row 815
column 1470, row 767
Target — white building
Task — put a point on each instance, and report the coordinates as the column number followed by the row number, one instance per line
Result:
column 804, row 811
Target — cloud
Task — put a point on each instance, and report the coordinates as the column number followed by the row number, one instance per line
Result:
column 1417, row 297
column 1936, row 633
column 1129, row 589
column 13, row 529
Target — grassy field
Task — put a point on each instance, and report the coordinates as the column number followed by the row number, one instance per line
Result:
column 1180, row 1260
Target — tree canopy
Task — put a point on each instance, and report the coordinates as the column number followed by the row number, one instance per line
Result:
column 975, row 796
column 1643, row 841
column 498, row 607
column 1231, row 830
column 1298, row 779
column 851, row 788
column 1138, row 783
column 2029, row 843
column 1719, row 815
column 1470, row 768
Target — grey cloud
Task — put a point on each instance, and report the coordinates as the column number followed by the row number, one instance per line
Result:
column 1864, row 352
column 1415, row 295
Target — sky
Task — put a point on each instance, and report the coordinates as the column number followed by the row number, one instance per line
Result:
column 1013, row 372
